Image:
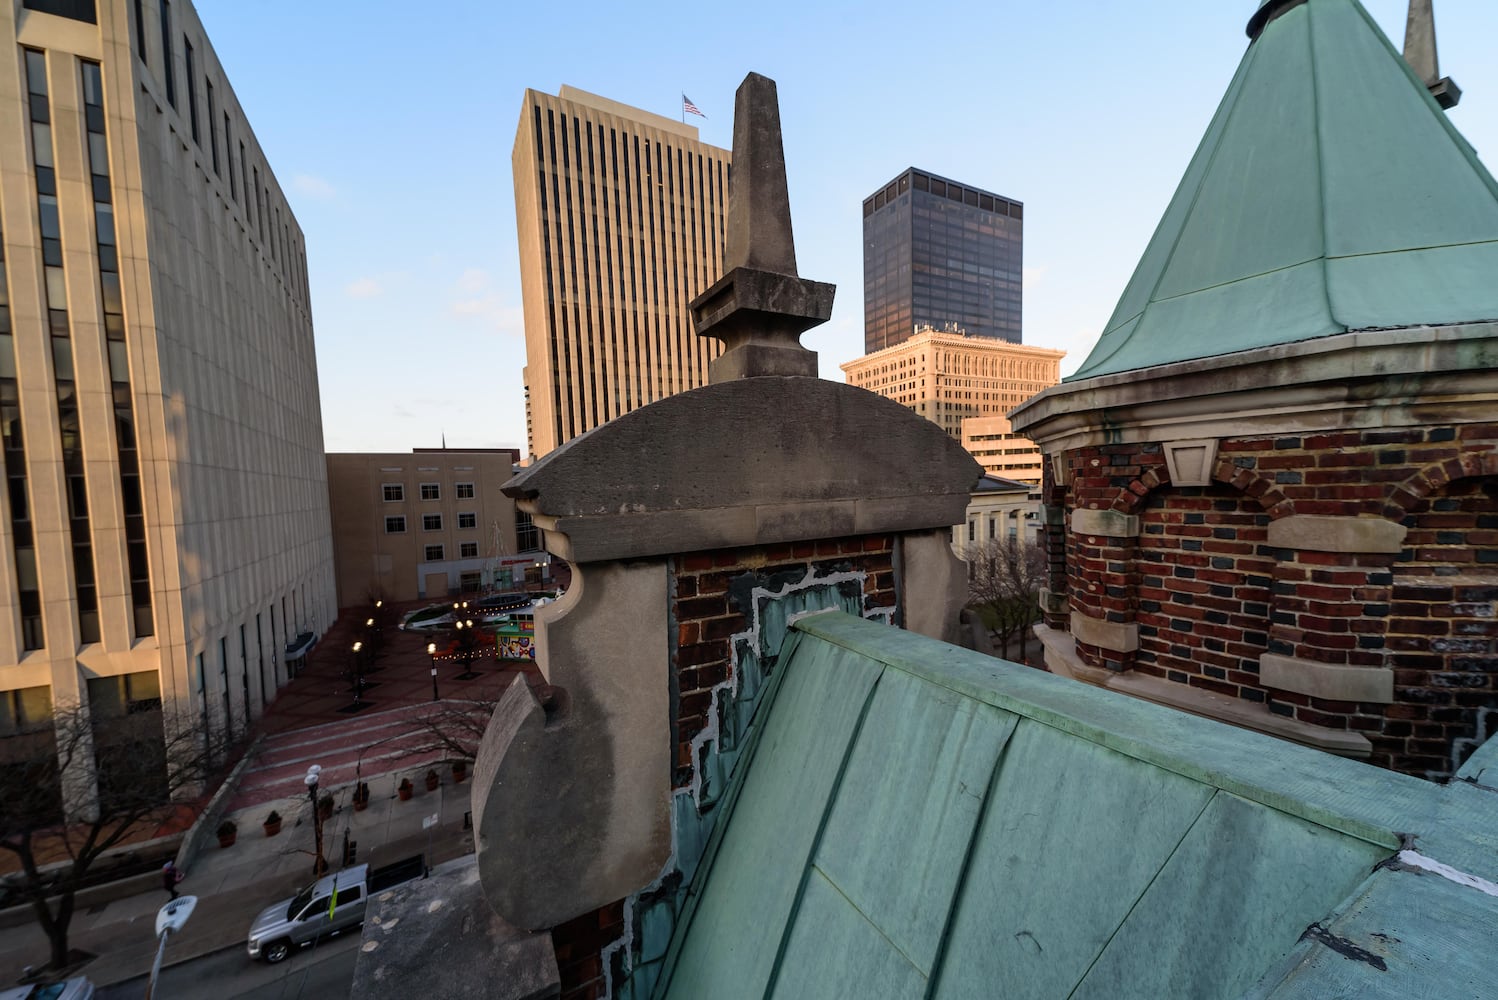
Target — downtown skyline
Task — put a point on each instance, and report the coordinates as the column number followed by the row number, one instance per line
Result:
column 1087, row 115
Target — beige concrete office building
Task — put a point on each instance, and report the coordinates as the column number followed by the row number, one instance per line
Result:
column 429, row 524
column 165, row 529
column 621, row 217
column 950, row 378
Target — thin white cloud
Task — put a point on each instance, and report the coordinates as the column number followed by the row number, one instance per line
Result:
column 1032, row 276
column 313, row 187
column 363, row 288
column 477, row 300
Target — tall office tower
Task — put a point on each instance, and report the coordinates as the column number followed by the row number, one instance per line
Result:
column 941, row 255
column 965, row 384
column 621, row 216
column 165, row 533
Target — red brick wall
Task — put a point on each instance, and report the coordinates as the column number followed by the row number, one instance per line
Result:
column 579, row 945
column 1210, row 595
column 707, row 611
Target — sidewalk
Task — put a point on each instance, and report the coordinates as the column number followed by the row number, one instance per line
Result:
column 308, row 722
column 234, row 884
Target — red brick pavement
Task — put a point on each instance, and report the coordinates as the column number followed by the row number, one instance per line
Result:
column 308, row 723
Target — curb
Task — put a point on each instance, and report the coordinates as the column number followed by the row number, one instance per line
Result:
column 192, row 841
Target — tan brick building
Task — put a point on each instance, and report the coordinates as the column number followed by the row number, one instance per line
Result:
column 165, row 529
column 620, row 215
column 429, row 523
column 956, row 380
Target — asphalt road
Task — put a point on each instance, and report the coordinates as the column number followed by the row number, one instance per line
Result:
column 325, row 971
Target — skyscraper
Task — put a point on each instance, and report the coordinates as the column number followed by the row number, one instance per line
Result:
column 621, row 219
column 941, row 255
column 164, row 534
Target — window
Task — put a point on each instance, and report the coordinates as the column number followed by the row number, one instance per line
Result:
column 212, row 126
column 433, row 553
column 140, row 32
column 468, row 519
column 192, row 90
column 468, row 550
column 527, row 538
column 431, row 491
column 431, row 522
column 394, row 492
column 465, row 491
column 229, row 156
column 395, row 525
column 75, row 10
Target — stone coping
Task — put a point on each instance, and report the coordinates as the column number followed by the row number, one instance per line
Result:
column 1332, row 681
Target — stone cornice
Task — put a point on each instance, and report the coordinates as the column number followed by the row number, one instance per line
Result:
column 1383, row 378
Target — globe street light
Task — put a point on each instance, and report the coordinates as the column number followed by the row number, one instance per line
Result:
column 319, row 866
column 432, row 652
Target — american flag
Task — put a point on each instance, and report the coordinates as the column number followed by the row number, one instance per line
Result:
column 688, row 108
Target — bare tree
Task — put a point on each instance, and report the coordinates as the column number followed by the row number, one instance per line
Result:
column 80, row 788
column 1004, row 580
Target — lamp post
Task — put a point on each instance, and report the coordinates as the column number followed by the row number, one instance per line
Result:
column 319, row 865
column 432, row 652
column 358, row 671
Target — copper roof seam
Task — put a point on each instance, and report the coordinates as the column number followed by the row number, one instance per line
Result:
column 1326, row 278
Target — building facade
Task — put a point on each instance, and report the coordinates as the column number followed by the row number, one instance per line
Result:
column 620, row 215
column 941, row 255
column 165, row 525
column 953, row 379
column 429, row 524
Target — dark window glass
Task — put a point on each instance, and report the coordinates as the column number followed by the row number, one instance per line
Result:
column 77, row 10
column 468, row 520
column 167, row 75
column 192, row 89
column 212, row 125
column 395, row 525
column 140, row 31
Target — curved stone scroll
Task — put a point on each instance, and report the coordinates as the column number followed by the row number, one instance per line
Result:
column 571, row 797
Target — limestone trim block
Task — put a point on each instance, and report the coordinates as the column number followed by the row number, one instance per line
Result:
column 1332, row 681
column 1110, row 523
column 1190, row 462
column 1336, row 533
column 1119, row 637
column 1051, row 602
column 933, row 586
column 1061, row 659
column 1058, row 468
column 571, row 801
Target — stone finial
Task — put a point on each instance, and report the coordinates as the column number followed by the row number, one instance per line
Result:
column 1420, row 53
column 760, row 307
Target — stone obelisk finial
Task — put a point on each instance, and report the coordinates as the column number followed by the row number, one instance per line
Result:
column 760, row 307
column 1420, row 53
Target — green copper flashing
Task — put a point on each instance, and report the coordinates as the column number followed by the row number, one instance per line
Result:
column 1330, row 193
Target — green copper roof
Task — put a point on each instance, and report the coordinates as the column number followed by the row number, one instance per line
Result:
column 1329, row 194
column 918, row 820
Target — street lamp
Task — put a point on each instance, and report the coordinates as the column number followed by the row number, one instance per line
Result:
column 319, row 865
column 432, row 652
column 358, row 672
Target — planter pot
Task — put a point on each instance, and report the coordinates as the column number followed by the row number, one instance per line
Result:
column 404, row 791
column 433, row 781
column 271, row 829
column 361, row 804
column 460, row 771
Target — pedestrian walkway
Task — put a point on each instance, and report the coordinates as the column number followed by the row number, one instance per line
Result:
column 234, row 884
column 389, row 738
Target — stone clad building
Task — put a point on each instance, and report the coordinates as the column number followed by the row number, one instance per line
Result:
column 165, row 527
column 620, row 216
column 1273, row 485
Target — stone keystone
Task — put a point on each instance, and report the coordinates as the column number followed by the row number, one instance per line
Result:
column 760, row 307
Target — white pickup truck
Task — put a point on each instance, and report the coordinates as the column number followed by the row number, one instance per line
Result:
column 331, row 905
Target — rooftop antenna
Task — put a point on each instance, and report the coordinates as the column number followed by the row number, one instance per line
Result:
column 1420, row 53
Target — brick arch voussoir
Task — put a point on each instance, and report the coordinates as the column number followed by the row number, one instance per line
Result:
column 1418, row 488
column 1131, row 498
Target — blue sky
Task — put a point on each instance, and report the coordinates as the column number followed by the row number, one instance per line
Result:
column 391, row 131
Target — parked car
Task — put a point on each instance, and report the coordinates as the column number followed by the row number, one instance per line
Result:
column 77, row 988
column 329, row 906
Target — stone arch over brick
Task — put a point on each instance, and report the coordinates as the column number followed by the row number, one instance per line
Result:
column 1131, row 498
column 1411, row 493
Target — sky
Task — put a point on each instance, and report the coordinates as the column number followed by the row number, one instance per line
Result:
column 390, row 125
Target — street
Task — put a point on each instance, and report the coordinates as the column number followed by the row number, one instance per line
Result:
column 324, row 971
